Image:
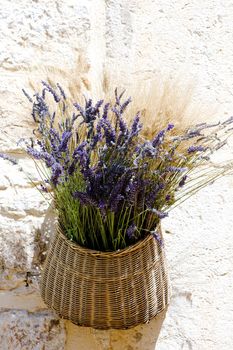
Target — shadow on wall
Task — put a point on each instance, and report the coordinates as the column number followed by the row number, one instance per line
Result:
column 141, row 337
column 43, row 237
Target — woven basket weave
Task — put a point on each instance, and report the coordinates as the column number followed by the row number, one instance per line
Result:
column 105, row 290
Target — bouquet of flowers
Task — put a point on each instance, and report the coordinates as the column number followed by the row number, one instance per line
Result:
column 111, row 185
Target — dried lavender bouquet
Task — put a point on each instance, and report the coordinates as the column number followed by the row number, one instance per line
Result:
column 110, row 185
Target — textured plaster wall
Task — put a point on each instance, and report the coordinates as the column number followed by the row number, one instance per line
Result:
column 135, row 39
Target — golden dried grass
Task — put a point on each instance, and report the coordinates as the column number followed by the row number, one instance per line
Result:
column 160, row 100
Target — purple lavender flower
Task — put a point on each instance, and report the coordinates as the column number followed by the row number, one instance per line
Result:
column 131, row 230
column 160, row 214
column 9, row 158
column 74, row 117
column 116, row 112
column 123, row 126
column 114, row 203
column 103, row 208
column 157, row 236
column 125, row 105
column 136, row 126
column 78, row 150
column 80, row 109
column 119, row 120
column 63, row 107
column 96, row 186
column 106, row 109
column 43, row 188
column 28, row 97
column 57, row 171
column 97, row 136
column 52, row 91
column 136, row 191
column 40, row 111
column 85, row 199
column 34, row 153
column 54, row 135
column 80, row 153
column 97, row 106
column 72, row 167
column 161, row 185
column 64, row 141
column 174, row 169
column 151, row 195
column 182, row 181
column 192, row 133
column 203, row 126
column 147, row 150
column 90, row 113
column 193, row 149
column 116, row 193
column 52, row 119
column 170, row 127
column 158, row 139
column 48, row 158
column 61, row 91
column 109, row 132
column 118, row 97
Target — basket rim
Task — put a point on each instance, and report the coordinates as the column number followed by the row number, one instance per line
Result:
column 110, row 254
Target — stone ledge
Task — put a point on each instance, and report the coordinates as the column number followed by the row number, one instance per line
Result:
column 23, row 330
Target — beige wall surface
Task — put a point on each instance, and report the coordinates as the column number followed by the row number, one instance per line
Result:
column 134, row 41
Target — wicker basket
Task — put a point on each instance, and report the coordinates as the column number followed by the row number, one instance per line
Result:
column 105, row 290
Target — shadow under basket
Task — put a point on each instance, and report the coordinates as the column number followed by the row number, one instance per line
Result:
column 105, row 289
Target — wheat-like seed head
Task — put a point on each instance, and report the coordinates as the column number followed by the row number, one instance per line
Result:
column 159, row 100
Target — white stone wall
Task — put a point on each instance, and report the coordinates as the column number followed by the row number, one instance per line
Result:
column 135, row 40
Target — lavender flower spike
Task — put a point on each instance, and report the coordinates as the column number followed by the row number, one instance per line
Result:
column 28, row 97
column 176, row 169
column 64, row 142
column 105, row 112
column 80, row 154
column 125, row 104
column 52, row 91
column 193, row 149
column 136, row 126
column 7, row 157
column 56, row 173
column 183, row 180
column 159, row 213
column 130, row 231
column 158, row 139
column 85, row 199
column 61, row 91
column 170, row 127
column 157, row 236
column 34, row 153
